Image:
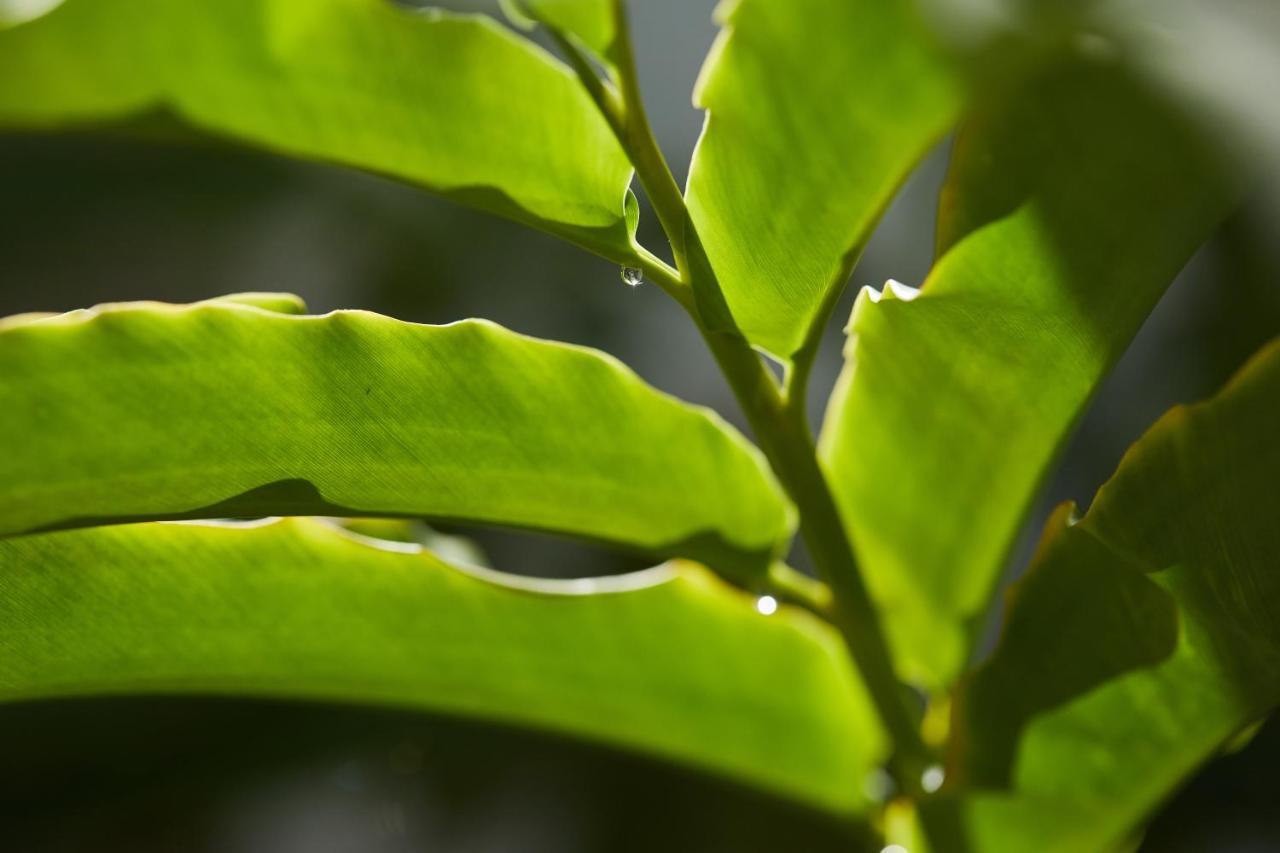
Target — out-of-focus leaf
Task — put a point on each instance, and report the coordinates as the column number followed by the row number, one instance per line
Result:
column 1069, row 208
column 671, row 661
column 816, row 112
column 1215, row 59
column 590, row 22
column 1220, row 59
column 454, row 103
column 146, row 411
column 1145, row 637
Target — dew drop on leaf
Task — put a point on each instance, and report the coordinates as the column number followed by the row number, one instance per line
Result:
column 632, row 277
column 766, row 605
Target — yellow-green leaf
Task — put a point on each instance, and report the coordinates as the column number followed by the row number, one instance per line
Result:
column 1069, row 208
column 816, row 112
column 147, row 411
column 670, row 662
column 454, row 103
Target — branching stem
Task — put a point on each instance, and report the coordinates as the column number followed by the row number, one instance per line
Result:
column 777, row 417
column 639, row 142
column 784, row 437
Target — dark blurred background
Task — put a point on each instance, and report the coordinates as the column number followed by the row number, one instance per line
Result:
column 114, row 216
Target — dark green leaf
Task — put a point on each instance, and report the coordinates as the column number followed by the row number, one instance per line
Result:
column 1145, row 637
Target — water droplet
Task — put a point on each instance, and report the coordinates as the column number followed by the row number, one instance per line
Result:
column 894, row 848
column 632, row 277
column 932, row 778
column 766, row 605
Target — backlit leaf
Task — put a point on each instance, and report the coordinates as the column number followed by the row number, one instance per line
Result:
column 145, row 411
column 454, row 103
column 671, row 661
column 1145, row 637
column 1068, row 210
column 816, row 112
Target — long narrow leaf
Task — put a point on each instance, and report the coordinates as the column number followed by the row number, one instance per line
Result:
column 452, row 102
column 816, row 112
column 671, row 662
column 1069, row 209
column 1144, row 638
column 146, row 411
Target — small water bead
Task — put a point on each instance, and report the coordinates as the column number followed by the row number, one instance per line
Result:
column 766, row 605
column 894, row 848
column 932, row 778
column 632, row 277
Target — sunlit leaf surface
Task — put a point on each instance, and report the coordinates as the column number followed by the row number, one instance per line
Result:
column 143, row 411
column 816, row 112
column 454, row 103
column 670, row 662
column 1145, row 636
column 1068, row 210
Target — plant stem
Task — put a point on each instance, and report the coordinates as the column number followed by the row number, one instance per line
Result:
column 777, row 419
column 799, row 589
column 638, row 141
column 785, row 439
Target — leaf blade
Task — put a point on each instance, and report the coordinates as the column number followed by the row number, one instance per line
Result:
column 1189, row 515
column 798, row 159
column 673, row 663
column 1056, row 242
column 454, row 103
column 147, row 411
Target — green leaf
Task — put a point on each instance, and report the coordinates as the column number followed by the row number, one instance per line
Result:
column 1068, row 210
column 146, row 411
column 670, row 661
column 1144, row 638
column 279, row 303
column 451, row 102
column 590, row 22
column 816, row 112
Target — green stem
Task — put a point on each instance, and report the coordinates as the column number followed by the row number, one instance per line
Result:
column 623, row 109
column 638, row 141
column 799, row 589
column 777, row 419
column 787, row 443
column 660, row 273
column 620, row 116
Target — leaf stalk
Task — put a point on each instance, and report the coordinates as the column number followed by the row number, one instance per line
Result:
column 777, row 417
